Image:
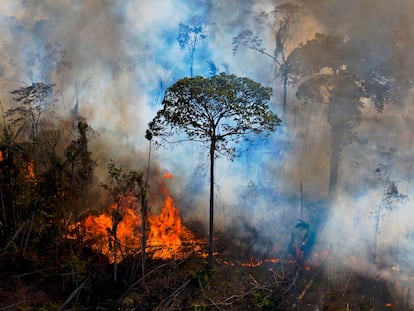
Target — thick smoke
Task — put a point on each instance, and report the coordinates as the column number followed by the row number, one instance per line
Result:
column 114, row 59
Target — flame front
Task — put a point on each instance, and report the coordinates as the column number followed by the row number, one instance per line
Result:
column 167, row 237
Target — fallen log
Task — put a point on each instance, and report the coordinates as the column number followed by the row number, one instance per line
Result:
column 300, row 297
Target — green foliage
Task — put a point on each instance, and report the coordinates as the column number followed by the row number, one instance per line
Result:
column 263, row 302
column 331, row 64
column 76, row 267
column 200, row 276
column 128, row 302
column 120, row 182
column 221, row 108
column 199, row 307
column 328, row 70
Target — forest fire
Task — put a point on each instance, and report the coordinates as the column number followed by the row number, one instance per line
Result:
column 167, row 237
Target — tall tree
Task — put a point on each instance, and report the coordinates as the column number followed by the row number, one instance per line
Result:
column 33, row 101
column 79, row 167
column 216, row 111
column 329, row 72
column 280, row 22
column 189, row 36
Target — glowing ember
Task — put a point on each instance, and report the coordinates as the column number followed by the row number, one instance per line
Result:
column 30, row 175
column 253, row 263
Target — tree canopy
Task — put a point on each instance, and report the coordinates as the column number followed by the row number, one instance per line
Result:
column 223, row 107
column 329, row 71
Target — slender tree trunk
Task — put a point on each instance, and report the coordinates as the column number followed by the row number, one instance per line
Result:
column 285, row 81
column 144, row 236
column 3, row 207
column 191, row 66
column 333, row 173
column 211, row 231
column 144, row 219
column 114, row 232
column 377, row 226
column 192, row 52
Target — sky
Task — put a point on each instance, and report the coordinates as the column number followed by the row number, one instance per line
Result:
column 116, row 58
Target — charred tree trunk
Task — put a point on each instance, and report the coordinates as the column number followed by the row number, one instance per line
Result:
column 144, row 229
column 116, row 220
column 115, row 257
column 144, row 236
column 144, row 211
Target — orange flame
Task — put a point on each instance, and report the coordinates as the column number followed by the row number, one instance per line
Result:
column 167, row 237
column 98, row 231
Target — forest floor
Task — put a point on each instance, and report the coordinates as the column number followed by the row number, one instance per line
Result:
column 66, row 283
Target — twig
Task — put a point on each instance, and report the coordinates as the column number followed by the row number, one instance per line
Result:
column 142, row 277
column 12, row 306
column 253, row 281
column 305, row 290
column 346, row 284
column 28, row 234
column 256, row 287
column 293, row 282
column 166, row 300
column 74, row 293
column 33, row 272
column 14, row 237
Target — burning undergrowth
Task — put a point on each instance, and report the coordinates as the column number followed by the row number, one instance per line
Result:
column 166, row 235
